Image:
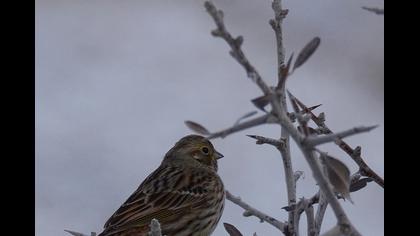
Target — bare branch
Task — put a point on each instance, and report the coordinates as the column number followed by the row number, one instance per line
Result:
column 305, row 205
column 267, row 118
column 319, row 198
column 235, row 45
column 249, row 114
column 302, row 121
column 279, row 144
column 279, row 110
column 251, row 211
column 355, row 154
column 376, row 10
column 314, row 141
column 264, row 119
column 343, row 221
column 289, row 177
column 309, row 211
column 316, row 197
column 320, row 212
column 279, row 106
column 276, row 24
column 299, row 208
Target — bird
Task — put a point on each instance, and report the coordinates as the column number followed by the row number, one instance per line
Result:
column 185, row 194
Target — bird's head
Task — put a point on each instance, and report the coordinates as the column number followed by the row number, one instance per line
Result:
column 195, row 150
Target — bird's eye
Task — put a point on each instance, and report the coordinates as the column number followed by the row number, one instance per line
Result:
column 205, row 150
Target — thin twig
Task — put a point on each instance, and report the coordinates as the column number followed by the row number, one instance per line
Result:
column 355, row 154
column 289, row 177
column 314, row 141
column 276, row 24
column 235, row 45
column 320, row 212
column 264, row 119
column 249, row 114
column 279, row 144
column 251, row 211
column 298, row 210
column 309, row 211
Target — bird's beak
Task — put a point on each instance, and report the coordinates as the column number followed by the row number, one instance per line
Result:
column 219, row 155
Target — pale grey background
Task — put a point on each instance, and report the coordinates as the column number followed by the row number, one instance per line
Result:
column 116, row 79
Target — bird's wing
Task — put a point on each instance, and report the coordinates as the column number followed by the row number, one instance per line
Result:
column 166, row 194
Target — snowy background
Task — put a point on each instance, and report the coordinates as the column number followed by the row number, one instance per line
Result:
column 115, row 81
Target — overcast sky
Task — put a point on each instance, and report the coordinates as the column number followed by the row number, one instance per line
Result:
column 115, row 81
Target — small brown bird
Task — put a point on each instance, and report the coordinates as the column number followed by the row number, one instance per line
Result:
column 185, row 194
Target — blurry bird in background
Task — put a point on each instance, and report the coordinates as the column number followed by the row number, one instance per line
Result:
column 185, row 194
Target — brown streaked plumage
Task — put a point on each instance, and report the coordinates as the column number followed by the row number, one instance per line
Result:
column 185, row 194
